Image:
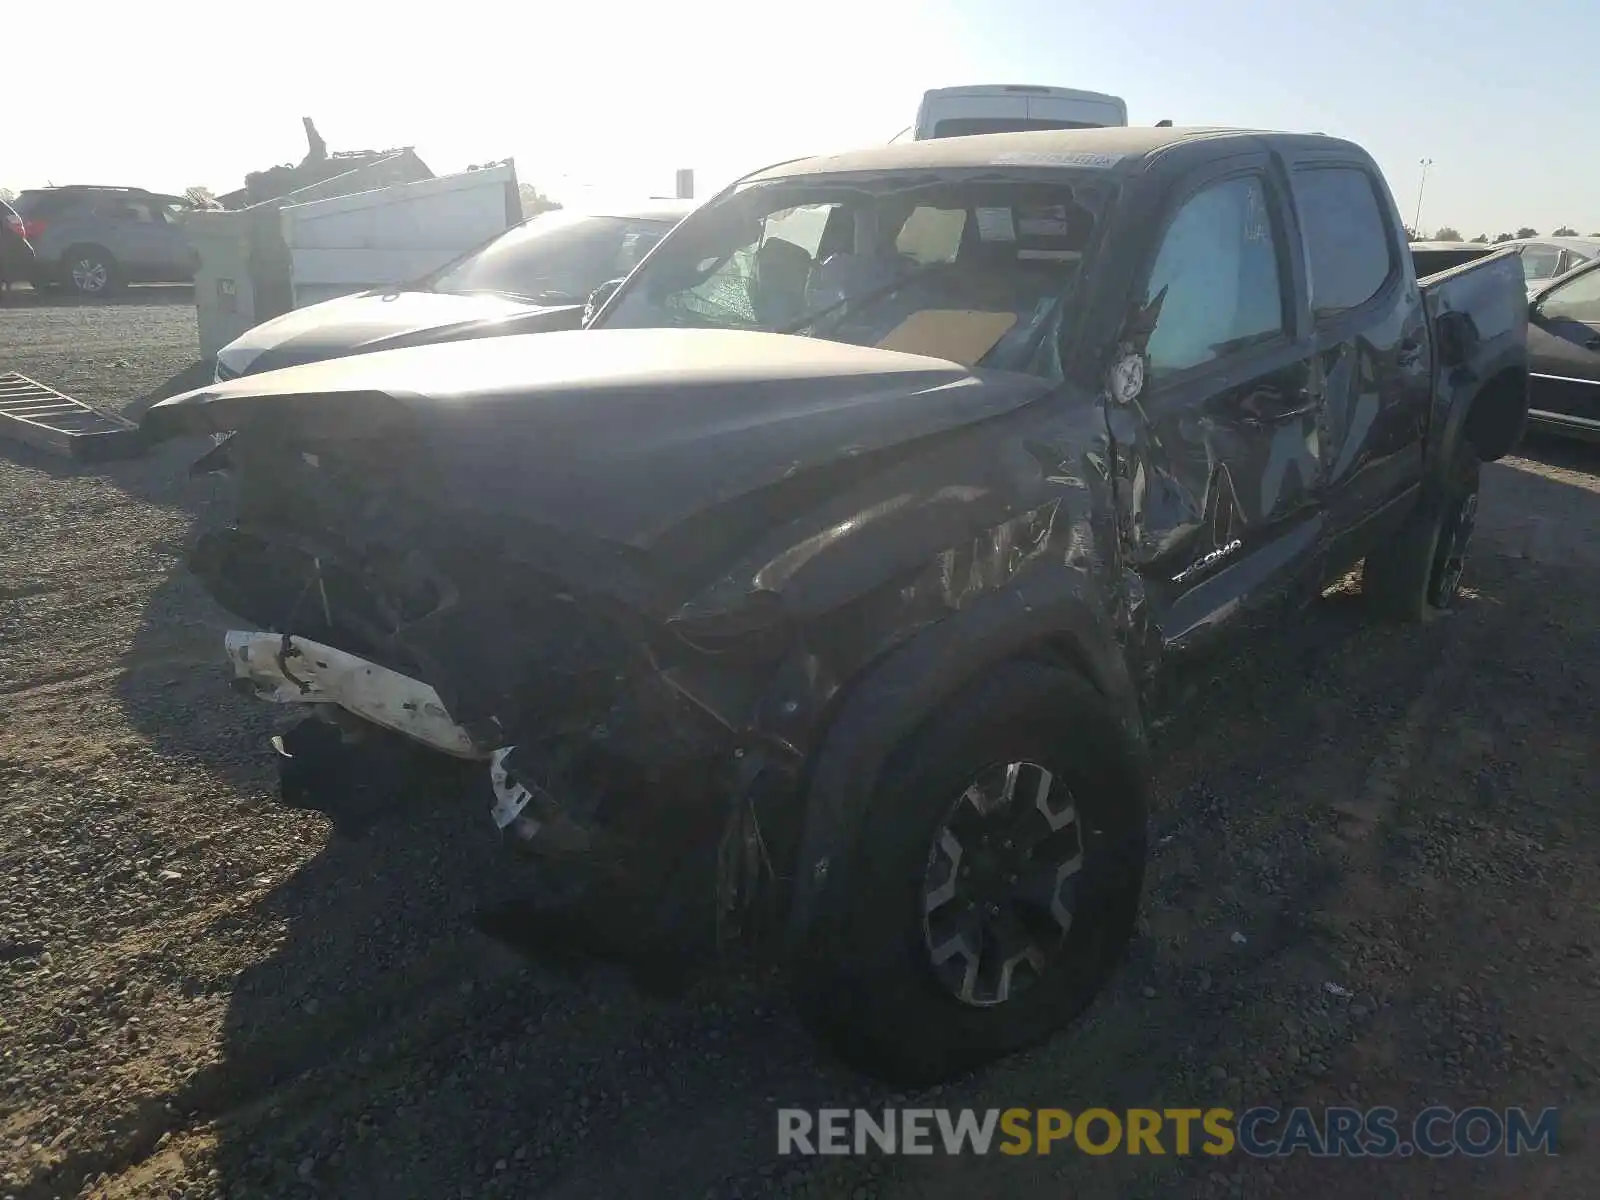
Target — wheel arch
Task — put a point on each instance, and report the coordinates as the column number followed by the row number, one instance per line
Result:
column 900, row 691
column 1498, row 414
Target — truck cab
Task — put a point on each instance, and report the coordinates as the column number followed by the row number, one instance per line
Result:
column 1013, row 108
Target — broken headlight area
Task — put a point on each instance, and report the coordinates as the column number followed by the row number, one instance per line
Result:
column 621, row 750
column 621, row 734
column 688, row 852
column 311, row 589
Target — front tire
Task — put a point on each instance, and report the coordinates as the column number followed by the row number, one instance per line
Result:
column 90, row 272
column 994, row 885
column 1417, row 573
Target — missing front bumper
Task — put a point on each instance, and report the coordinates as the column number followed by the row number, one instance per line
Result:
column 294, row 670
column 666, row 845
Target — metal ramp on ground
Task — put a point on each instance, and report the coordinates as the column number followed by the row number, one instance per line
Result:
column 40, row 416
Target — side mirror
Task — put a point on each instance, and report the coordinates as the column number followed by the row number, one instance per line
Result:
column 598, row 298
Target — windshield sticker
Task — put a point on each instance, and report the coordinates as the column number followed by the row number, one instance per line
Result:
column 995, row 225
column 1037, row 159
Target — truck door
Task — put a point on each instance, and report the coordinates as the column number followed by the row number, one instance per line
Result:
column 1369, row 332
column 1218, row 471
column 1564, row 354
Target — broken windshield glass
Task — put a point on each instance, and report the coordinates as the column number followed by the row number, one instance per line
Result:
column 981, row 271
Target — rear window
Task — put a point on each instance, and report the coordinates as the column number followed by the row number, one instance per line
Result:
column 1539, row 262
column 966, row 126
column 932, row 234
column 1347, row 239
column 37, row 203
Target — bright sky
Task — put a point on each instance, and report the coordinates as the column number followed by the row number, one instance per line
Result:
column 611, row 97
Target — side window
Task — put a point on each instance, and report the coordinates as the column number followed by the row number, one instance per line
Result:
column 1571, row 260
column 1539, row 262
column 1347, row 240
column 113, row 208
column 1216, row 276
column 802, row 226
column 1575, row 300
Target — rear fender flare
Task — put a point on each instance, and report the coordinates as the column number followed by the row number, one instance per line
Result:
column 1049, row 616
column 1499, row 397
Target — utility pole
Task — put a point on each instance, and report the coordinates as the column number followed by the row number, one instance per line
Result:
column 1416, row 221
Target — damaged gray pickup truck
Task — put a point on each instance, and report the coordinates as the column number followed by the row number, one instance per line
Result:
column 820, row 593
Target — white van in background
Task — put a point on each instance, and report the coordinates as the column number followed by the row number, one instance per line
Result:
column 1010, row 108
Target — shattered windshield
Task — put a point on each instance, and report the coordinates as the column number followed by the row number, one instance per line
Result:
column 556, row 258
column 979, row 271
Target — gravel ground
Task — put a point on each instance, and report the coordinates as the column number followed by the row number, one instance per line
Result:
column 205, row 993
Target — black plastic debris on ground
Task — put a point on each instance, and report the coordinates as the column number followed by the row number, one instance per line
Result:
column 40, row 416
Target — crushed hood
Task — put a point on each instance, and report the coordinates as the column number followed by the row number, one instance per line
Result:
column 619, row 434
column 378, row 321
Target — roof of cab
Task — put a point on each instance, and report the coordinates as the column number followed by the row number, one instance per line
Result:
column 1120, row 148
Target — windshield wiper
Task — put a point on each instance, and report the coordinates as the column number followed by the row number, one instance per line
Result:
column 856, row 303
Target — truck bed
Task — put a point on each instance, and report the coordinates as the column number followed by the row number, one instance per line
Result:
column 1478, row 325
column 1432, row 259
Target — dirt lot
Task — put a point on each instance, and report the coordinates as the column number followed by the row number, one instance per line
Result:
column 205, row 993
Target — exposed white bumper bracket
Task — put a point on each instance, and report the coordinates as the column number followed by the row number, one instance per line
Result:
column 294, row 670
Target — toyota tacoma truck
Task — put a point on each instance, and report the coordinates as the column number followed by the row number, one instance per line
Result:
column 821, row 594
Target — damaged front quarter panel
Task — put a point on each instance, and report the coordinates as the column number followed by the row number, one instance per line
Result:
column 992, row 542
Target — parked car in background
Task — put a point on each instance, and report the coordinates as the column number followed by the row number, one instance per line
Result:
column 824, row 586
column 93, row 239
column 534, row 277
column 1544, row 259
column 1564, row 355
column 1012, row 107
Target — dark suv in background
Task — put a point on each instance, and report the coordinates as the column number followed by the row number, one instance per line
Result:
column 93, row 239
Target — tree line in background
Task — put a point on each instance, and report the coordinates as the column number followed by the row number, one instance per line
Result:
column 1446, row 233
